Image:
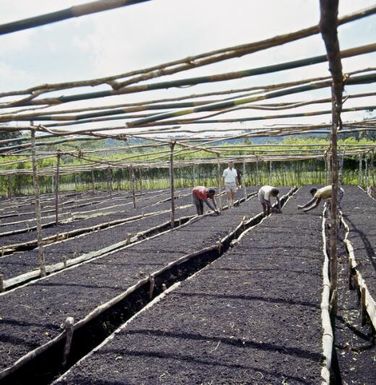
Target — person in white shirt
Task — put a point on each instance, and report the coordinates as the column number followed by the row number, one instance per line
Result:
column 230, row 180
column 264, row 195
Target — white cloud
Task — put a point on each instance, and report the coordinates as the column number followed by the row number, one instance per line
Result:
column 160, row 31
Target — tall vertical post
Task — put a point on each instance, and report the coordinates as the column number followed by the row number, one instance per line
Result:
column 243, row 180
column 110, row 180
column 270, row 171
column 219, row 176
column 41, row 260
column 132, row 176
column 10, row 190
column 371, row 168
column 57, row 185
column 360, row 174
column 75, row 182
column 172, row 183
column 366, row 170
column 257, row 171
column 328, row 28
column 140, row 178
column 92, row 180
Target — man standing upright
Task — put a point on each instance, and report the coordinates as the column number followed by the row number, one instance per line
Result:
column 230, row 180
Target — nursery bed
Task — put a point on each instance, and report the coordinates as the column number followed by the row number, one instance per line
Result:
column 32, row 315
column 121, row 212
column 251, row 317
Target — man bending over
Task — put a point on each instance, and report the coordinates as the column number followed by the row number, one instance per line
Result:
column 201, row 195
column 264, row 195
column 324, row 193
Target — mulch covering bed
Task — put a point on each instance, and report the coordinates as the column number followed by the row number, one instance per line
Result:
column 251, row 317
column 11, row 210
column 23, row 262
column 32, row 315
column 354, row 342
column 359, row 211
column 120, row 211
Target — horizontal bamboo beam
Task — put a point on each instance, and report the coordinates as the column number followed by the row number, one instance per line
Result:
column 68, row 13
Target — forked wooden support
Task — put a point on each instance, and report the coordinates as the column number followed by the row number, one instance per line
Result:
column 68, row 327
column 151, row 286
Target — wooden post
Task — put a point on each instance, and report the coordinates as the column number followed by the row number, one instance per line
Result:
column 172, row 185
column 1, row 283
column 328, row 28
column 341, row 164
column 363, row 307
column 257, row 171
column 219, row 176
column 366, row 170
column 132, row 176
column 57, row 182
column 270, row 172
column 243, row 180
column 328, row 168
column 371, row 168
column 10, row 190
column 68, row 327
column 92, row 180
column 110, row 180
column 140, row 178
column 360, row 172
column 41, row 260
column 151, row 286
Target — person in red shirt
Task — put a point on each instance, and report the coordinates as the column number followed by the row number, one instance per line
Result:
column 201, row 194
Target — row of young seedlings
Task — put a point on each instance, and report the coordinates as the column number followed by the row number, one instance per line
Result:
column 64, row 350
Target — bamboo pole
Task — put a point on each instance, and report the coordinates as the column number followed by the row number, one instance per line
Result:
column 111, row 179
column 1, row 283
column 57, row 183
column 133, row 187
column 140, row 179
column 328, row 27
column 67, row 13
column 371, row 166
column 219, row 182
column 10, row 192
column 41, row 260
column 243, row 180
column 172, row 184
column 75, row 183
column 360, row 172
column 93, row 180
column 270, row 172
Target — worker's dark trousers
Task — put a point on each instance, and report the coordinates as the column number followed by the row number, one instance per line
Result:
column 199, row 205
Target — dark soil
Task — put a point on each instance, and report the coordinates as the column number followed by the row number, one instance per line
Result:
column 355, row 345
column 32, row 315
column 117, row 213
column 25, row 261
column 251, row 317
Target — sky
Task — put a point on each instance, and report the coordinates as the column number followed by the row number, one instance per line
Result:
column 158, row 31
